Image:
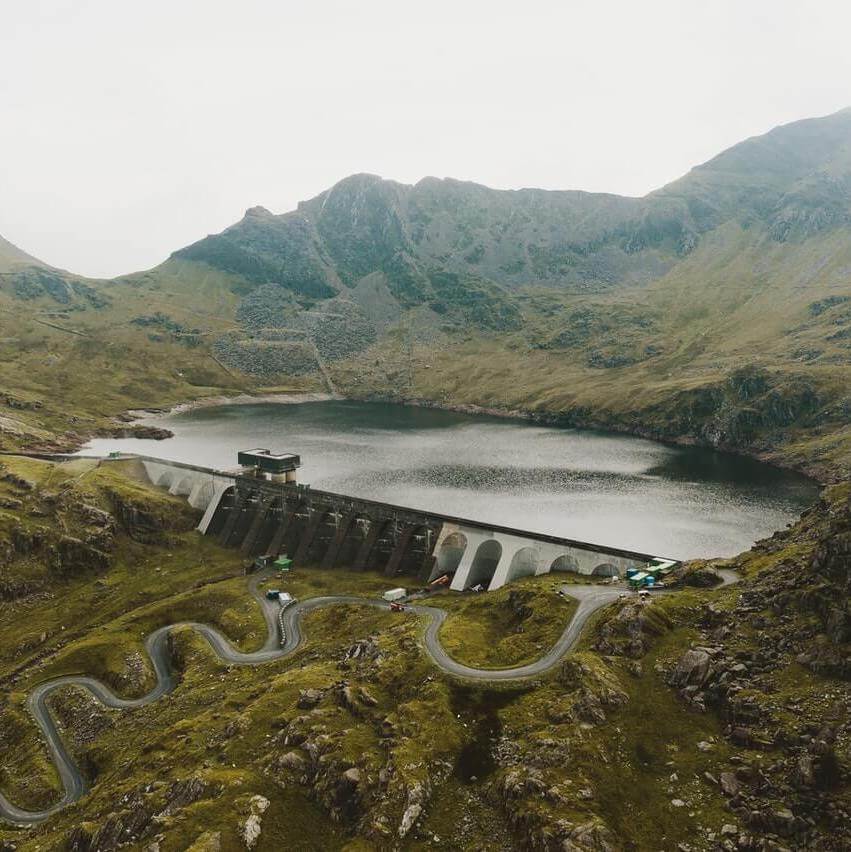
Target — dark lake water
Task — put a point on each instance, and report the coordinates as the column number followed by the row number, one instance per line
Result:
column 627, row 492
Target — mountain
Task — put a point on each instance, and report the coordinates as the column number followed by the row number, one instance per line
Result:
column 793, row 181
column 11, row 257
column 716, row 309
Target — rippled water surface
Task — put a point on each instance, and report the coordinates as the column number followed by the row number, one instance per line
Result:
column 627, row 492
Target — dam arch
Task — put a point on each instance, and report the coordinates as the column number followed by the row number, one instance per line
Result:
column 449, row 555
column 524, row 563
column 485, row 562
column 565, row 562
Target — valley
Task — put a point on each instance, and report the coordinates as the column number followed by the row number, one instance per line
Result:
column 712, row 311
column 687, row 352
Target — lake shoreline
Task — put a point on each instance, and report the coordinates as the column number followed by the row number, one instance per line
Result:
column 449, row 461
column 818, row 475
column 295, row 398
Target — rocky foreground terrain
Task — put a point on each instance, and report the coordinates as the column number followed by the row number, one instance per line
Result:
column 707, row 719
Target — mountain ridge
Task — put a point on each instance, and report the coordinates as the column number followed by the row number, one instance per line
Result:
column 12, row 257
column 595, row 309
column 839, row 122
column 559, row 237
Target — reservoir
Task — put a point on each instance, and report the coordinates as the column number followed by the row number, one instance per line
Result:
column 631, row 493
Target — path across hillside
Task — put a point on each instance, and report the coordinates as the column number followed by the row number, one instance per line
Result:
column 591, row 598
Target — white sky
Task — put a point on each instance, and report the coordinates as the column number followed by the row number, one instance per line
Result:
column 130, row 129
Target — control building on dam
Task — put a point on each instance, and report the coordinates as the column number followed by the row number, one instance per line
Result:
column 260, row 508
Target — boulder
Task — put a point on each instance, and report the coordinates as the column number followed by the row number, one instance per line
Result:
column 589, row 837
column 252, row 826
column 184, row 792
column 693, row 669
column 292, row 760
column 308, row 698
column 352, row 777
column 417, row 795
column 804, row 775
column 729, row 784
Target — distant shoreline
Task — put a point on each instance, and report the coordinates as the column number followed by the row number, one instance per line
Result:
column 819, row 476
column 240, row 399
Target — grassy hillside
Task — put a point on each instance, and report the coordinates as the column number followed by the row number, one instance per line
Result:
column 701, row 716
column 12, row 257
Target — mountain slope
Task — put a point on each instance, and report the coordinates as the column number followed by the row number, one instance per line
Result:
column 574, row 240
column 716, row 309
column 12, row 257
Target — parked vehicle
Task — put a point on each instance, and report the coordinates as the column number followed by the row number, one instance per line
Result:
column 394, row 594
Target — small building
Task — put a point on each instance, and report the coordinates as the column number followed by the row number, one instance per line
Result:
column 283, row 564
column 394, row 594
column 279, row 467
column 284, row 598
column 664, row 566
column 640, row 579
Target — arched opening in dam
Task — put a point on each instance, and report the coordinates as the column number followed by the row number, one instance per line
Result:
column 242, row 517
column 318, row 536
column 566, row 562
column 524, row 563
column 449, row 555
column 484, row 564
column 382, row 549
column 605, row 569
column 183, row 487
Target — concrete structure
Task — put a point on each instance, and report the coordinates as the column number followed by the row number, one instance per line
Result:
column 202, row 486
column 260, row 515
column 477, row 555
column 279, row 467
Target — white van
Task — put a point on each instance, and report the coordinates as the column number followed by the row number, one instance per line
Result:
column 394, row 594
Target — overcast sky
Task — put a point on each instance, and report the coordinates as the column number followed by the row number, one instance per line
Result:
column 130, row 129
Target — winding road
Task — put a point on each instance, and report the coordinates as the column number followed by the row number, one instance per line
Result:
column 591, row 598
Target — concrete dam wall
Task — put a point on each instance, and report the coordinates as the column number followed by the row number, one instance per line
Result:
column 328, row 530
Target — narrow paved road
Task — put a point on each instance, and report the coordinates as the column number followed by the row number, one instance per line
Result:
column 591, row 598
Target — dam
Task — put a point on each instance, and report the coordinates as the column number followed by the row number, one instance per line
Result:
column 259, row 507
